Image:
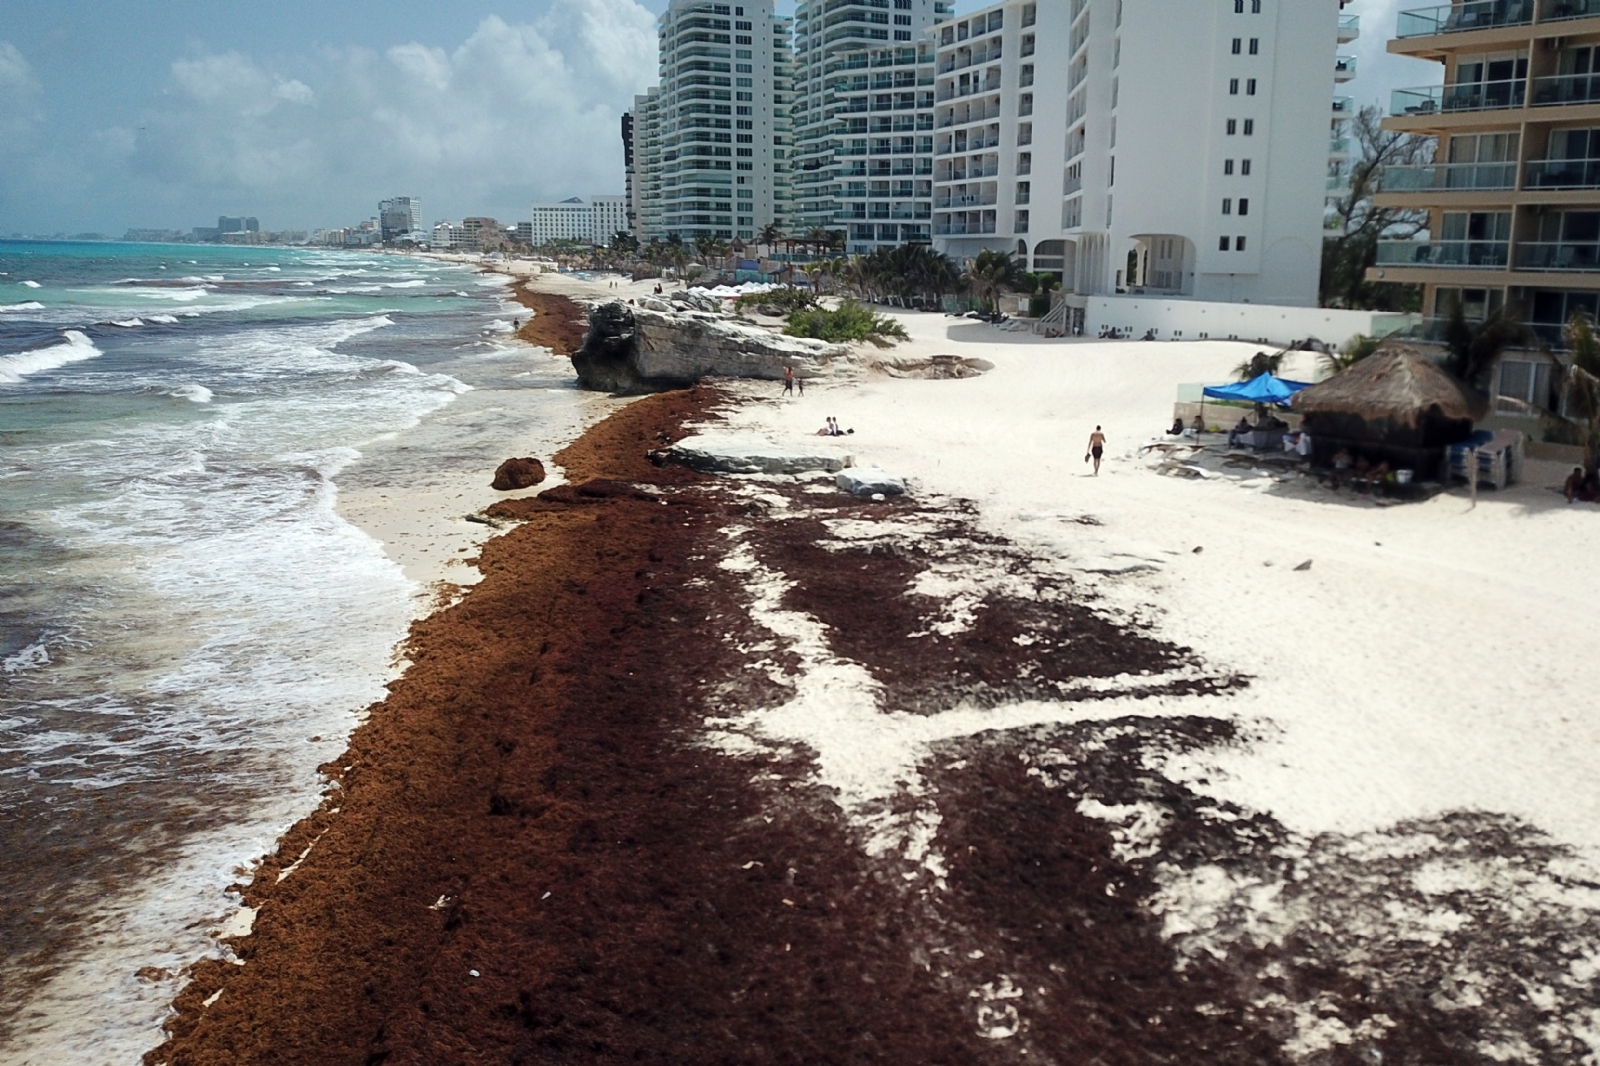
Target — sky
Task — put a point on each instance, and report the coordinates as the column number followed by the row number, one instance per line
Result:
column 304, row 113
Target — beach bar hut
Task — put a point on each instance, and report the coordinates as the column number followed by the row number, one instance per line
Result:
column 1396, row 405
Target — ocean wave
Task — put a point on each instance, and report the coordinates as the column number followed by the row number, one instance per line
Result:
column 499, row 325
column 192, row 391
column 414, row 283
column 165, row 320
column 127, row 323
column 26, row 305
column 74, row 348
column 30, row 284
column 32, row 657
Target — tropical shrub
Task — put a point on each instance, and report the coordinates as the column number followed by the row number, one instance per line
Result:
column 850, row 322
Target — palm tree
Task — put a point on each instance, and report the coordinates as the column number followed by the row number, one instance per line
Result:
column 818, row 238
column 770, row 235
column 1475, row 347
column 990, row 274
column 1258, row 364
column 1355, row 349
column 1583, row 387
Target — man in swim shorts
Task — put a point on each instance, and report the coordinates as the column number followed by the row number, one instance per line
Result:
column 1097, row 448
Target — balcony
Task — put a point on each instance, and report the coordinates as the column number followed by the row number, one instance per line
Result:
column 1344, row 68
column 1558, row 255
column 1483, row 254
column 1439, row 177
column 1559, row 10
column 1339, row 146
column 1343, row 105
column 1338, row 182
column 1561, row 174
column 1469, row 96
column 1566, row 89
column 957, row 229
column 1460, row 18
column 1349, row 28
column 945, row 203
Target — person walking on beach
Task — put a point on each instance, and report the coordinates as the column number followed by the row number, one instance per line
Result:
column 1097, row 448
column 788, row 381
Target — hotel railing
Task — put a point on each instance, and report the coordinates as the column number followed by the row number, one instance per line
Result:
column 1558, row 255
column 1467, row 96
column 1344, row 65
column 1557, row 10
column 956, row 229
column 1349, row 28
column 1459, row 18
column 1561, row 174
column 1444, row 176
column 1562, row 89
column 1343, row 105
column 1443, row 253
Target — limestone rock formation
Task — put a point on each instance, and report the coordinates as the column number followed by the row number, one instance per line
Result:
column 632, row 350
column 934, row 366
column 870, row 481
column 517, row 474
column 731, row 453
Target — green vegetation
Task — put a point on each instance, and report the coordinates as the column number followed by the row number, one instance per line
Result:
column 850, row 322
column 782, row 301
column 1355, row 349
column 1583, row 388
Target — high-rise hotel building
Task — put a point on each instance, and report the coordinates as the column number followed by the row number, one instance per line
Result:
column 712, row 141
column 1157, row 147
column 863, row 119
column 1513, row 194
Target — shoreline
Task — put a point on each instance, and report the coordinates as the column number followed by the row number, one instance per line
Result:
column 738, row 769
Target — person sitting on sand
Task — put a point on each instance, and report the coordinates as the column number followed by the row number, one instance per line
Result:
column 1199, row 426
column 1177, row 427
column 1239, row 432
column 1573, row 485
column 1342, row 460
column 1302, row 447
column 830, row 429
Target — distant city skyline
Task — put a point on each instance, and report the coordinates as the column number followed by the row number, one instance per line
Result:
column 117, row 115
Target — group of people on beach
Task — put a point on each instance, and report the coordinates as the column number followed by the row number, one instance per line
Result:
column 1581, row 487
column 790, row 382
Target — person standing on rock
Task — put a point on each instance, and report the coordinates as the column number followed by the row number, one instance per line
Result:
column 788, row 381
column 1097, row 448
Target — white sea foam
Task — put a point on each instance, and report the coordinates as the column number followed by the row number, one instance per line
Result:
column 192, row 391
column 165, row 320
column 414, row 283
column 128, row 323
column 26, row 305
column 33, row 656
column 30, row 284
column 75, row 347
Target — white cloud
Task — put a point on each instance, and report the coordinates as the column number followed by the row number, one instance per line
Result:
column 516, row 112
column 19, row 95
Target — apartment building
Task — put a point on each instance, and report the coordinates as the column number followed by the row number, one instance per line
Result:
column 1513, row 194
column 1168, row 147
column 568, row 220
column 863, row 119
column 1344, row 111
column 608, row 216
column 721, row 118
column 644, row 175
column 399, row 215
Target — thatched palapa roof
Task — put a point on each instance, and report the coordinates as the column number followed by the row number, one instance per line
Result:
column 1397, row 382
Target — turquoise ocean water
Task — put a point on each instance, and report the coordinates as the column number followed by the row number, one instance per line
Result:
column 181, row 609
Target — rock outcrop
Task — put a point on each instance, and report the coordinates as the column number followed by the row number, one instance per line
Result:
column 934, row 366
column 870, row 481
column 517, row 474
column 633, row 350
column 746, row 454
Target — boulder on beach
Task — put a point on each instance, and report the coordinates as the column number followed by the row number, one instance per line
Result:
column 934, row 366
column 870, row 481
column 747, row 454
column 632, row 350
column 517, row 474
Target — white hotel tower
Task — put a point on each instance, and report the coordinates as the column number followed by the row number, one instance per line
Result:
column 713, row 141
column 1162, row 147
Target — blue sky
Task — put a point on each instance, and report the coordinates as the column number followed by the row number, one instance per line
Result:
column 118, row 113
